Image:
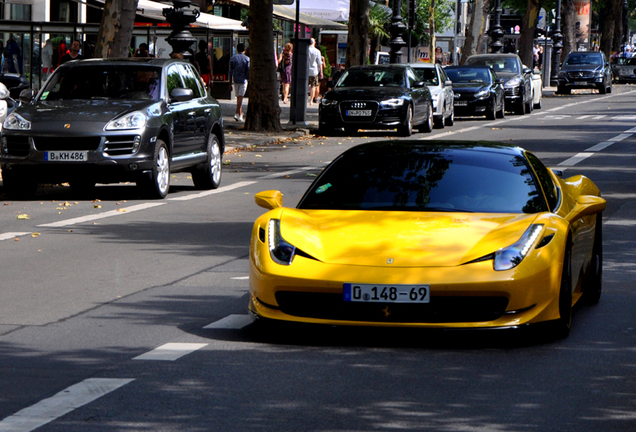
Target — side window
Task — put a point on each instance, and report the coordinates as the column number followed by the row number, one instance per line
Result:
column 442, row 75
column 411, row 78
column 190, row 80
column 548, row 186
column 173, row 79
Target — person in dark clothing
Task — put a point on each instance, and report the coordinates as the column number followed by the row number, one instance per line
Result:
column 73, row 54
column 205, row 63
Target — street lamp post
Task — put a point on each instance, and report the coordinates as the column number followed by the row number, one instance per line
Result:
column 397, row 28
column 557, row 46
column 180, row 17
column 496, row 33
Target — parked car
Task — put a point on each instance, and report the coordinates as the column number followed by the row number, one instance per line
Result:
column 7, row 104
column 624, row 69
column 517, row 79
column 441, row 88
column 435, row 234
column 377, row 97
column 584, row 70
column 113, row 120
column 537, row 89
column 478, row 91
column 15, row 83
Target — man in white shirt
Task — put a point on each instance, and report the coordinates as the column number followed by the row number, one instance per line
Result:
column 315, row 71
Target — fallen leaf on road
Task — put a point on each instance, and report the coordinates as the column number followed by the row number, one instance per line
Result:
column 122, row 210
column 16, row 239
column 258, row 155
column 23, row 216
column 97, row 206
column 35, row 235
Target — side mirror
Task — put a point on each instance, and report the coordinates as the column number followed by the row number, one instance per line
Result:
column 269, row 199
column 181, row 94
column 557, row 172
column 448, row 83
column 586, row 205
column 527, row 70
column 419, row 84
column 27, row 95
column 500, row 81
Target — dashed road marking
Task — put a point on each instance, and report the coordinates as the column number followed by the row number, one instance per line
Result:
column 231, row 322
column 60, row 404
column 118, row 212
column 213, row 191
column 170, row 351
column 12, row 235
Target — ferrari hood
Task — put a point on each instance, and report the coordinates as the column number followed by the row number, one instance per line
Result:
column 400, row 239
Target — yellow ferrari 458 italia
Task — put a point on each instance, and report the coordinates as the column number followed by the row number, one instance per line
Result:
column 442, row 234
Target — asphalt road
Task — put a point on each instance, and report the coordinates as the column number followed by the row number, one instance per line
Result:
column 121, row 314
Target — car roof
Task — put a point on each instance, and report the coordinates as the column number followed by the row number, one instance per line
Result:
column 466, row 66
column 161, row 62
column 436, row 147
column 381, row 66
column 422, row 65
column 494, row 55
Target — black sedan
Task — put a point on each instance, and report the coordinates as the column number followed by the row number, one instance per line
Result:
column 107, row 121
column 517, row 79
column 584, row 70
column 377, row 97
column 478, row 91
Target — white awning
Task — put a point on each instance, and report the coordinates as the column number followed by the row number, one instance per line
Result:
column 333, row 10
column 154, row 10
column 285, row 12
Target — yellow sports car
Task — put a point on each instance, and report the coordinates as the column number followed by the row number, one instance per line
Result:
column 442, row 234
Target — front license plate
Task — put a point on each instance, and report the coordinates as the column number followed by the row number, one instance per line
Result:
column 460, row 103
column 358, row 113
column 386, row 293
column 66, row 156
column 580, row 82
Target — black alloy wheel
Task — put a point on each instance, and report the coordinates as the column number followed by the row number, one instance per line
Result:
column 158, row 185
column 407, row 128
column 502, row 113
column 208, row 175
column 450, row 120
column 593, row 283
column 491, row 113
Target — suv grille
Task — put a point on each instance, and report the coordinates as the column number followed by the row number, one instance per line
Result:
column 44, row 143
column 120, row 145
column 580, row 74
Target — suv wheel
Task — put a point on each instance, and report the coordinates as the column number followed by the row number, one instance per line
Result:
column 158, row 184
column 208, row 174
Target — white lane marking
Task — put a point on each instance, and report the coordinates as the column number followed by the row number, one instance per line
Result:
column 231, row 322
column 620, row 137
column 620, row 222
column 430, row 137
column 118, row 212
column 213, row 191
column 575, row 159
column 625, row 118
column 12, row 235
column 60, row 404
column 598, row 117
column 632, row 130
column 583, row 117
column 240, row 278
column 170, row 351
column 600, row 146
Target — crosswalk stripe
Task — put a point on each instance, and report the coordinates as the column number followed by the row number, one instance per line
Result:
column 170, row 351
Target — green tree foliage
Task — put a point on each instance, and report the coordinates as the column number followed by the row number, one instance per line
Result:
column 444, row 17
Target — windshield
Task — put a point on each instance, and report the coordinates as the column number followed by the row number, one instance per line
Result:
column 468, row 75
column 498, row 64
column 445, row 180
column 104, row 82
column 428, row 75
column 583, row 59
column 373, row 78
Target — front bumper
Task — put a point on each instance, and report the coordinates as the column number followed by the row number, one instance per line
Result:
column 468, row 107
column 581, row 82
column 338, row 116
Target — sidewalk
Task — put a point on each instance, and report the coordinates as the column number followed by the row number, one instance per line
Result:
column 237, row 137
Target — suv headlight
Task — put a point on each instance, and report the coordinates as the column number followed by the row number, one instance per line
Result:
column 16, row 122
column 134, row 120
column 328, row 102
column 396, row 102
column 280, row 251
column 513, row 82
column 511, row 256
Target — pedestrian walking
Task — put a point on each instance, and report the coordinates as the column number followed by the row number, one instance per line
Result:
column 239, row 74
column 315, row 71
column 285, row 59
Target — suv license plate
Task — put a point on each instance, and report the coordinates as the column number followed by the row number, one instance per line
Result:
column 358, row 113
column 66, row 156
column 386, row 293
column 580, row 82
column 460, row 103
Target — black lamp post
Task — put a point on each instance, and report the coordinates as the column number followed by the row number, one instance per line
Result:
column 397, row 28
column 180, row 17
column 496, row 33
column 625, row 25
column 557, row 46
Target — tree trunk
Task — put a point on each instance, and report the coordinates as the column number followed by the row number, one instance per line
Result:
column 609, row 26
column 568, row 12
column 431, row 28
column 115, row 31
column 529, row 24
column 475, row 33
column 358, row 33
column 263, row 111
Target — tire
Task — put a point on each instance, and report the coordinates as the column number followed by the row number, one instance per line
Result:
column 18, row 185
column 407, row 128
column 158, row 185
column 520, row 109
column 593, row 283
column 427, row 126
column 530, row 105
column 564, row 90
column 538, row 105
column 450, row 120
column 350, row 130
column 609, row 89
column 323, row 130
column 492, row 113
column 602, row 89
column 561, row 327
column 502, row 114
column 208, row 175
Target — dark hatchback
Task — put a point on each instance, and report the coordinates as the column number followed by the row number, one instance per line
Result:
column 585, row 70
column 108, row 121
column 478, row 91
column 377, row 97
column 517, row 79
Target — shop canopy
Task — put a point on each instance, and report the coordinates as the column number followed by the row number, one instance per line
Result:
column 333, row 10
column 286, row 13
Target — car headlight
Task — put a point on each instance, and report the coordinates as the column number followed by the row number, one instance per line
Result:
column 328, row 102
column 396, row 102
column 457, row 95
column 16, row 122
column 511, row 256
column 513, row 82
column 483, row 94
column 280, row 251
column 562, row 73
column 135, row 120
column 4, row 91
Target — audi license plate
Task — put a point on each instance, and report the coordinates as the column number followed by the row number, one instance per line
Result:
column 460, row 103
column 66, row 156
column 358, row 113
column 386, row 293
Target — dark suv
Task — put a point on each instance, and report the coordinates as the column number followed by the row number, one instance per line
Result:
column 517, row 79
column 107, row 121
column 585, row 69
